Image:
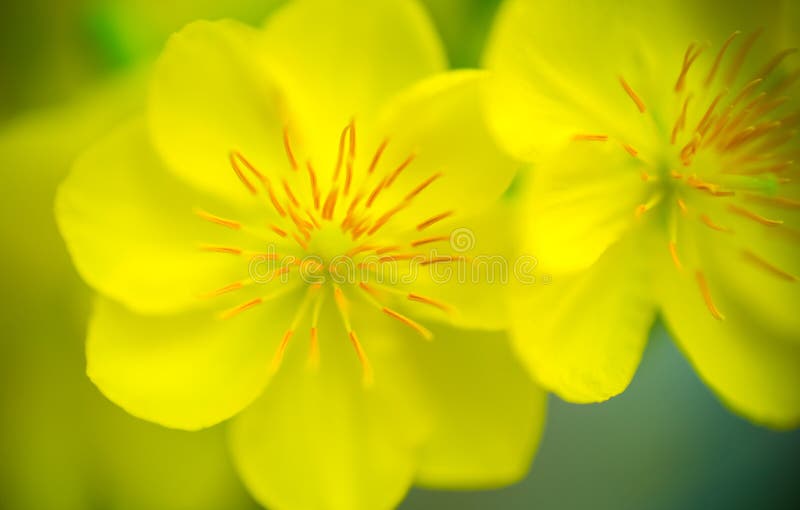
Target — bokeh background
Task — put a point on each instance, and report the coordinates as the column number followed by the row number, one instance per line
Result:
column 69, row 69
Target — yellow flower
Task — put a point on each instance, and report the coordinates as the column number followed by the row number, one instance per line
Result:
column 213, row 229
column 663, row 142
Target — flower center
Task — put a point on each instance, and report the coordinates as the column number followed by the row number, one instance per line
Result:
column 338, row 240
column 731, row 149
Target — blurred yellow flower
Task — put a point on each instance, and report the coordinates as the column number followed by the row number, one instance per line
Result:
column 663, row 138
column 214, row 227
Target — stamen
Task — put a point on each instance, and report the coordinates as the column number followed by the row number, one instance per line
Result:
column 688, row 60
column 634, row 97
column 302, row 242
column 366, row 368
column 739, row 138
column 673, row 251
column 690, row 149
column 766, row 108
column 775, row 201
column 630, row 150
column 343, row 306
column 226, row 289
column 701, row 282
column 787, row 82
column 702, row 126
column 435, row 219
column 682, row 205
column 290, row 193
column 708, row 187
column 277, row 359
column 351, row 158
column 753, row 216
column 775, row 61
column 302, row 225
column 590, row 138
column 385, row 218
column 360, row 249
column 377, row 157
column 425, row 333
column 313, row 351
column 428, row 301
column 771, row 268
column 361, row 227
column 313, row 219
column 222, row 249
column 278, row 230
column 376, row 192
column 349, row 216
column 710, row 224
column 330, row 204
column 427, row 182
column 643, row 208
column 387, row 249
column 275, row 203
column 443, row 258
column 740, row 56
column 718, row 59
column 719, row 126
column 243, row 178
column 680, row 122
column 250, row 166
column 231, row 224
column 312, row 177
column 241, row 308
column 288, row 148
column 340, row 156
column 393, row 176
column 369, row 289
column 398, row 257
column 746, row 90
column 428, row 240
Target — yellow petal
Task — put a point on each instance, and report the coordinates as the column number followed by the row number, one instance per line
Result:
column 557, row 71
column 321, row 439
column 465, row 269
column 131, row 230
column 487, row 414
column 557, row 67
column 455, row 168
column 340, row 60
column 186, row 371
column 750, row 363
column 579, row 202
column 209, row 96
column 582, row 335
column 750, row 355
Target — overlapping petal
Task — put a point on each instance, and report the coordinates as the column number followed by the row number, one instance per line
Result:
column 349, row 63
column 132, row 232
column 583, row 334
column 318, row 438
column 186, row 371
column 749, row 354
column 487, row 413
column 209, row 96
column 453, row 412
column 748, row 360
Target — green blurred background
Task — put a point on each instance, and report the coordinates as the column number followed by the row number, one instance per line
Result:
column 69, row 69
